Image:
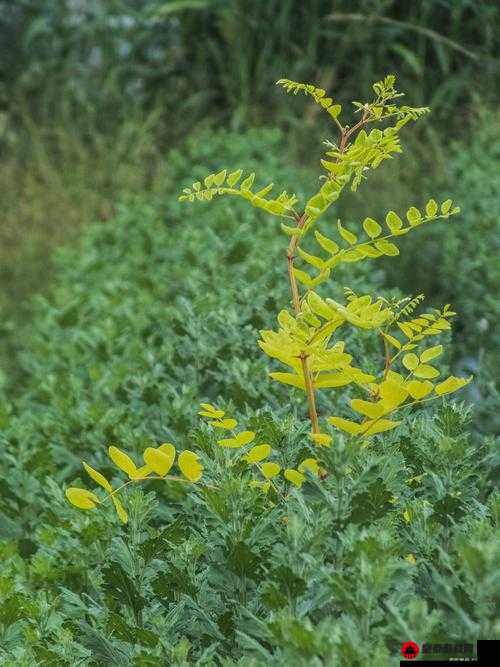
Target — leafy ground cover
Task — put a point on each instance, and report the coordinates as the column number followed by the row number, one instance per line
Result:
column 150, row 314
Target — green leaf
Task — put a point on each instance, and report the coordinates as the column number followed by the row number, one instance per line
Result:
column 393, row 221
column 431, row 353
column 234, row 177
column 315, row 261
column 387, row 248
column 414, row 216
column 426, row 371
column 246, row 184
column 81, row 498
column 445, row 206
column 220, row 178
column 431, row 208
column 292, row 231
column 372, row 228
column 410, row 361
column 326, row 243
column 346, row 234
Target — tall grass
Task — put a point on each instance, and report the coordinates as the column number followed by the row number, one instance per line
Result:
column 58, row 176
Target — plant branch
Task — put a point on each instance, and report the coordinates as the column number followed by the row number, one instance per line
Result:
column 311, row 400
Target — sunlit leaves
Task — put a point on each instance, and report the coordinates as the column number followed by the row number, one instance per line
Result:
column 97, row 477
column 346, row 234
column 431, row 353
column 221, row 183
column 120, row 510
column 258, row 453
column 270, row 469
column 294, row 476
column 160, row 460
column 372, row 228
column 451, row 384
column 321, row 439
column 224, row 424
column 318, row 94
column 82, row 498
column 190, row 466
column 239, row 440
column 123, row 461
column 410, row 361
column 394, row 222
column 418, row 389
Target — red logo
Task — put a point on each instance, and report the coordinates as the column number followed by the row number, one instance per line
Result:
column 410, row 650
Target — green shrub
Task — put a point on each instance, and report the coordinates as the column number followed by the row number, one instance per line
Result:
column 150, row 314
column 460, row 264
column 398, row 542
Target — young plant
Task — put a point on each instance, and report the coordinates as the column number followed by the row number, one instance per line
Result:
column 304, row 341
column 307, row 340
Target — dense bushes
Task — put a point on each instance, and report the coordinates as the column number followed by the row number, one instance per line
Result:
column 459, row 263
column 151, row 312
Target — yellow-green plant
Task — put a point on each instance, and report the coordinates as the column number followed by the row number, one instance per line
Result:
column 306, row 341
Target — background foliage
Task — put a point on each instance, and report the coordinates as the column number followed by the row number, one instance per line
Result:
column 106, row 111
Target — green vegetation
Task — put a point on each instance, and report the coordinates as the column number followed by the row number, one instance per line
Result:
column 293, row 554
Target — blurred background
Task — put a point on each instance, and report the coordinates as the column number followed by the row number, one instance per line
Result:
column 108, row 109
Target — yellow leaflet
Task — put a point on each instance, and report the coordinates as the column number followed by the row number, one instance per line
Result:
column 346, row 234
column 123, row 461
column 451, row 384
column 211, row 411
column 372, row 228
column 392, row 394
column 379, row 426
column 189, row 465
column 294, row 476
column 431, row 353
column 345, row 425
column 224, row 423
column 120, row 510
column 315, row 261
column 326, row 243
column 426, row 371
column 418, row 390
column 97, row 477
column 431, row 208
column 411, row 559
column 239, row 440
column 270, row 469
column 321, row 439
column 410, row 361
column 160, row 460
column 393, row 221
column 392, row 340
column 309, row 464
column 258, row 453
column 289, row 378
column 368, row 408
column 81, row 498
